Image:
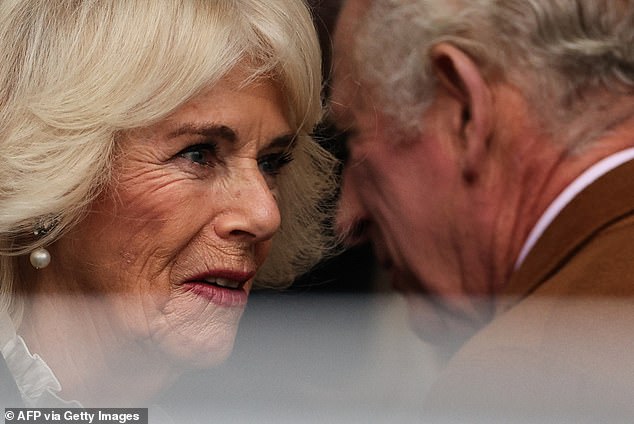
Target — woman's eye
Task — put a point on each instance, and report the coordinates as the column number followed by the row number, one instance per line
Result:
column 272, row 164
column 202, row 154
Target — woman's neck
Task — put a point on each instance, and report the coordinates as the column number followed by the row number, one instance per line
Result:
column 94, row 364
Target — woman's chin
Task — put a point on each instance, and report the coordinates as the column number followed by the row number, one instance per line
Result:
column 202, row 355
column 201, row 336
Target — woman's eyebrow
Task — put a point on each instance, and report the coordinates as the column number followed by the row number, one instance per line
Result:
column 206, row 130
column 286, row 141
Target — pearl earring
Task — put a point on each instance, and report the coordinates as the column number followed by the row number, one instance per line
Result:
column 40, row 257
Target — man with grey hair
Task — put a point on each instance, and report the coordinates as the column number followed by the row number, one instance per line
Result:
column 491, row 163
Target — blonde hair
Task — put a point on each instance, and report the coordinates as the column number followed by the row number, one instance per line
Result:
column 75, row 74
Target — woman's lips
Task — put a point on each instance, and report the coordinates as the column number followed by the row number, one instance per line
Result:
column 222, row 287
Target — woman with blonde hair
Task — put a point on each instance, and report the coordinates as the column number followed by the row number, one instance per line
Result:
column 155, row 164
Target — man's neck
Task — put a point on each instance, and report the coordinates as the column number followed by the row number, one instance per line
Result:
column 563, row 177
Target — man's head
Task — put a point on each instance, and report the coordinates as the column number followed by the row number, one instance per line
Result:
column 464, row 120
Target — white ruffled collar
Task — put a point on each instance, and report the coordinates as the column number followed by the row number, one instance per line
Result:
column 35, row 379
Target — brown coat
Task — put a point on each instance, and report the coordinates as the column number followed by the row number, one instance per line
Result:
column 561, row 345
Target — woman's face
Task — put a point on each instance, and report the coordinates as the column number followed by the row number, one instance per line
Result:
column 172, row 247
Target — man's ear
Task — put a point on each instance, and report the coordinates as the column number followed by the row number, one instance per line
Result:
column 461, row 79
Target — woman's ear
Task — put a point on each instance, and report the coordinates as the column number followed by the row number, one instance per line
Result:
column 461, row 79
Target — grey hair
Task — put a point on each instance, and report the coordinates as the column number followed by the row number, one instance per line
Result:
column 558, row 52
column 76, row 74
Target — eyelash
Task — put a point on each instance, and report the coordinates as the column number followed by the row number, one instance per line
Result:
column 210, row 148
column 277, row 160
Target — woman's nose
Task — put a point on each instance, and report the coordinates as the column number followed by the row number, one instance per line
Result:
column 252, row 214
column 352, row 220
